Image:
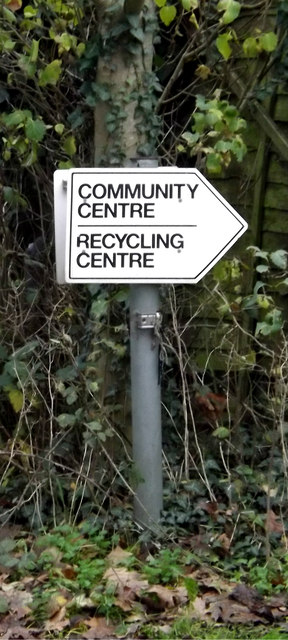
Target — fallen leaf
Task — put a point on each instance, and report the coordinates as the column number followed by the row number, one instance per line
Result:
column 253, row 600
column 206, row 577
column 272, row 523
column 209, row 506
column 159, row 598
column 166, row 629
column 10, row 531
column 131, row 586
column 224, row 541
column 98, row 629
column 128, row 585
column 68, row 572
column 223, row 609
column 17, row 632
column 58, row 622
column 17, row 601
column 118, row 556
column 56, row 603
column 82, row 602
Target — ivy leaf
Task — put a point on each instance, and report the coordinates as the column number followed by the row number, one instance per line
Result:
column 8, row 15
column 213, row 163
column 29, row 11
column 138, row 34
column 167, row 14
column 188, row 5
column 279, row 258
column 66, row 420
column 16, row 399
column 69, row 146
column 13, row 119
column 223, row 46
column 238, row 147
column 76, row 118
column 272, row 323
column 160, row 3
column 50, row 74
column 191, row 138
column 250, row 47
column 35, row 130
column 27, row 66
column 203, row 71
column 34, row 49
column 59, row 128
column 268, row 41
column 67, row 373
column 65, row 164
column 231, row 10
column 221, row 433
column 8, row 45
column 102, row 91
column 262, row 268
column 14, row 5
column 13, row 197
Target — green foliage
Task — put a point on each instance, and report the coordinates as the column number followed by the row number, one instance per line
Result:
column 165, row 567
column 252, row 46
column 216, row 133
column 168, row 12
column 231, row 10
column 260, row 305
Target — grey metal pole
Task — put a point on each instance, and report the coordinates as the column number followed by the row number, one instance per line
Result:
column 146, row 403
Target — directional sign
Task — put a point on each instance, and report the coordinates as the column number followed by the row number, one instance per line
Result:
column 140, row 225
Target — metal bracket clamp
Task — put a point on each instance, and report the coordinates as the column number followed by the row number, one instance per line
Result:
column 149, row 320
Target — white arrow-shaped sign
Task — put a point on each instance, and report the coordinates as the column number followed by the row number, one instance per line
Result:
column 149, row 225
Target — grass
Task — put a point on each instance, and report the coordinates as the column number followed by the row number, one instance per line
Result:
column 183, row 628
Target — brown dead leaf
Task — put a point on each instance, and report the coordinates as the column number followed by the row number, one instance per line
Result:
column 17, row 632
column 222, row 609
column 68, row 572
column 210, row 507
column 58, row 622
column 130, row 586
column 159, row 598
column 206, row 577
column 198, row 607
column 10, row 531
column 272, row 523
column 56, row 603
column 98, row 629
column 17, row 601
column 225, row 542
column 253, row 600
column 118, row 556
column 14, row 5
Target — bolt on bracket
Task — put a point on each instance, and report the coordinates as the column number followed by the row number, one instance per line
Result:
column 149, row 320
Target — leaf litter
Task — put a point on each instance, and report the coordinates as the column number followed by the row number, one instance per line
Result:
column 138, row 602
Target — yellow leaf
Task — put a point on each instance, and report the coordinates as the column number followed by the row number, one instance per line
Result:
column 16, row 398
column 203, row 71
column 194, row 20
